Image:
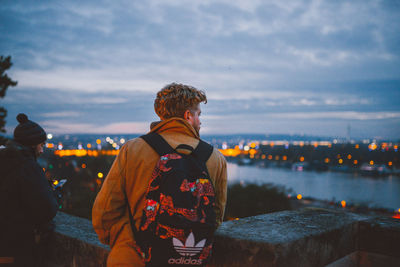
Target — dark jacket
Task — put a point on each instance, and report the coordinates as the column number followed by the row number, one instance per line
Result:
column 27, row 202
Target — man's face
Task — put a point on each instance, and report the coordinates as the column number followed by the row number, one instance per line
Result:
column 39, row 149
column 194, row 118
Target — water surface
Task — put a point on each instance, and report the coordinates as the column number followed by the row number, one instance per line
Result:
column 374, row 192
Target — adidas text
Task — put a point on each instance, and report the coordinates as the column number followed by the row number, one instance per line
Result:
column 183, row 260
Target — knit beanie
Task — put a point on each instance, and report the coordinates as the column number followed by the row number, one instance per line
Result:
column 27, row 132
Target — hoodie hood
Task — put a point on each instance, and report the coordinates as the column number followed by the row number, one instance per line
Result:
column 174, row 125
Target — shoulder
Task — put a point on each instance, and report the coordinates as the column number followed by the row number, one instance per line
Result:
column 217, row 156
column 216, row 160
column 11, row 156
column 134, row 148
column 134, row 145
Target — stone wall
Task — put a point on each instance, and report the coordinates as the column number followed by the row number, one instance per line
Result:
column 308, row 237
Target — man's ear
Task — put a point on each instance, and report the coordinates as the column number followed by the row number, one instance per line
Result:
column 187, row 115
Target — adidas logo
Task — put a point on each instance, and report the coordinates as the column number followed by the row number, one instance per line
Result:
column 189, row 249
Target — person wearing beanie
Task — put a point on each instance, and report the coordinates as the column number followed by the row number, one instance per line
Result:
column 27, row 202
column 29, row 134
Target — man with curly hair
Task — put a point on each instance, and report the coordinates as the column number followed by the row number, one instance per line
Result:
column 125, row 186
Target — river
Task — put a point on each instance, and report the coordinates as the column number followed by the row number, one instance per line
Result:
column 375, row 192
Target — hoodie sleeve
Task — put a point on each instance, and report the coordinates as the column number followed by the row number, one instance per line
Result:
column 108, row 213
column 217, row 168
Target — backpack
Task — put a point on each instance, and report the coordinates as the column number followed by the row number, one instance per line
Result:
column 178, row 220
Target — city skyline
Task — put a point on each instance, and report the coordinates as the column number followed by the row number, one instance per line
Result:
column 304, row 67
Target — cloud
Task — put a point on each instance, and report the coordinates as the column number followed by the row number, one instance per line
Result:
column 61, row 114
column 311, row 59
column 112, row 128
column 347, row 115
column 338, row 115
column 89, row 80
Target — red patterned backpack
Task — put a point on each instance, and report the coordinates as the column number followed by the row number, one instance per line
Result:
column 178, row 220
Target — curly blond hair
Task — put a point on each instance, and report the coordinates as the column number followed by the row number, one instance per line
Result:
column 174, row 99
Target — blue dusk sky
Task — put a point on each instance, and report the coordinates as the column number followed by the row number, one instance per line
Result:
column 289, row 67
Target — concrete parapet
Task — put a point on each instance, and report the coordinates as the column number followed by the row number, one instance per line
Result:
column 76, row 244
column 308, row 237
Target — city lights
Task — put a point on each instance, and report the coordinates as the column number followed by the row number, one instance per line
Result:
column 100, row 175
column 372, row 146
column 98, row 141
column 49, row 145
column 84, row 152
column 299, row 196
column 49, row 136
column 252, row 151
column 343, row 203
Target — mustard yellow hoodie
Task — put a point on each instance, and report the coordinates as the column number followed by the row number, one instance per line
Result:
column 128, row 180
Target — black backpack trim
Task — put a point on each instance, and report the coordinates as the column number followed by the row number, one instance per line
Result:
column 202, row 152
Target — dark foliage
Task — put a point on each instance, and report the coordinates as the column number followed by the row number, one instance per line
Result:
column 5, row 82
column 252, row 199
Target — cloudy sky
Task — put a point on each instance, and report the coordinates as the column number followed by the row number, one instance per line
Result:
column 291, row 67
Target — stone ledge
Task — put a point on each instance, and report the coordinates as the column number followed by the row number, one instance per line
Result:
column 76, row 243
column 308, row 237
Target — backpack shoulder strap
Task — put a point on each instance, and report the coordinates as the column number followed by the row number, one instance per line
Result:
column 203, row 151
column 158, row 143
